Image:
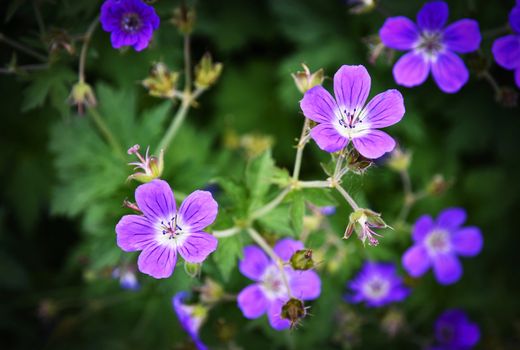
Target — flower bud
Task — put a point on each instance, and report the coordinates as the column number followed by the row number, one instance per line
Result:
column 507, row 97
column 393, row 322
column 211, row 292
column 255, row 144
column 161, row 81
column 59, row 40
column 152, row 166
column 377, row 49
column 306, row 80
column 399, row 160
column 207, row 72
column 361, row 6
column 357, row 163
column 362, row 221
column 193, row 270
column 302, row 260
column 437, row 186
column 184, row 19
column 294, row 311
column 82, row 96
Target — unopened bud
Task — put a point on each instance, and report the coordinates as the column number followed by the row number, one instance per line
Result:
column 82, row 96
column 255, row 144
column 393, row 322
column 211, row 292
column 357, row 163
column 302, row 260
column 399, row 160
column 294, row 311
column 207, row 72
column 193, row 270
column 306, row 80
column 161, row 82
column 184, row 19
column 377, row 49
column 437, row 186
column 59, row 40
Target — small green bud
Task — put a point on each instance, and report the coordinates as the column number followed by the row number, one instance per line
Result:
column 357, row 163
column 294, row 311
column 207, row 72
column 302, row 260
column 82, row 96
column 437, row 186
column 192, row 270
column 211, row 292
column 399, row 160
column 306, row 80
column 184, row 19
column 161, row 82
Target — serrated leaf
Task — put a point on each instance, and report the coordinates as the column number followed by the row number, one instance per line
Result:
column 297, row 211
column 227, row 255
column 258, row 178
column 278, row 221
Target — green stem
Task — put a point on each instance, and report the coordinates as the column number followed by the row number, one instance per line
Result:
column 339, row 164
column 409, row 197
column 314, row 184
column 22, row 47
column 299, row 152
column 271, row 205
column 105, row 131
column 227, row 232
column 84, row 49
column 187, row 63
column 347, row 196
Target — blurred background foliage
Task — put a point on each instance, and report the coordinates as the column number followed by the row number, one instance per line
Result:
column 62, row 185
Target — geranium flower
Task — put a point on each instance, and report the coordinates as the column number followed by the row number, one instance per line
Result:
column 506, row 49
column 439, row 242
column 191, row 317
column 377, row 284
column 454, row 331
column 127, row 278
column 269, row 292
column 431, row 47
column 162, row 231
column 346, row 118
column 130, row 22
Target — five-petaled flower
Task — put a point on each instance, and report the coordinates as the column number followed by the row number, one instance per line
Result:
column 377, row 284
column 272, row 289
column 162, row 231
column 454, row 331
column 437, row 244
column 130, row 22
column 431, row 47
column 191, row 317
column 346, row 119
column 506, row 49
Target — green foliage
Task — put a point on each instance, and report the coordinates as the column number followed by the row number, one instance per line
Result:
column 258, row 178
column 227, row 255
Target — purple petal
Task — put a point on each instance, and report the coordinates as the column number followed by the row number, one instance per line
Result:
column 197, row 211
column 416, row 261
column 398, row 293
column 433, row 15
column 134, row 232
column 252, row 301
column 328, row 138
column 449, row 72
column 447, row 268
column 399, row 33
column 385, row 109
column 506, row 51
column 468, row 335
column 285, row 248
column 514, row 18
column 462, row 36
column 274, row 314
column 517, row 77
column 467, row 241
column 155, row 200
column 318, row 105
column 197, row 246
column 254, row 263
column 411, row 70
column 157, row 261
column 144, row 38
column 451, row 218
column 422, row 227
column 305, row 285
column 351, row 87
column 374, row 144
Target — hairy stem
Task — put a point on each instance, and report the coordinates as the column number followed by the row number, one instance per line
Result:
column 347, row 196
column 187, row 63
column 409, row 197
column 299, row 152
column 84, row 49
column 271, row 205
column 227, row 232
column 105, row 131
column 314, row 184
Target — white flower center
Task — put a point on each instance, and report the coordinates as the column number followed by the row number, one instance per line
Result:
column 430, row 45
column 171, row 232
column 351, row 124
column 438, row 242
column 376, row 288
column 273, row 284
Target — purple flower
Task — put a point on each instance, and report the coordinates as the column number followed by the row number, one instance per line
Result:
column 191, row 317
column 130, row 22
column 377, row 284
column 327, row 210
column 269, row 292
column 506, row 49
column 437, row 244
column 346, row 119
column 162, row 231
column 431, row 46
column 454, row 331
column 127, row 278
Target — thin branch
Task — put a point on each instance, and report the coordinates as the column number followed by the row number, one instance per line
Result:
column 22, row 48
column 84, row 49
column 271, row 205
column 299, row 152
column 105, row 131
column 227, row 233
column 187, row 63
column 347, row 196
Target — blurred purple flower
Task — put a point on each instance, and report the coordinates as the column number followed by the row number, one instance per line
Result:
column 506, row 49
column 130, row 22
column 269, row 292
column 127, row 278
column 162, row 231
column 327, row 210
column 191, row 317
column 437, row 244
column 377, row 284
column 345, row 118
column 431, row 47
column 454, row 331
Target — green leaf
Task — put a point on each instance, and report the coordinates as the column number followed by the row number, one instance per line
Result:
column 320, row 197
column 258, row 178
column 278, row 221
column 297, row 211
column 227, row 255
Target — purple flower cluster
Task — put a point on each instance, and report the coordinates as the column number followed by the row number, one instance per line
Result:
column 191, row 317
column 130, row 22
column 162, row 231
column 439, row 242
column 377, row 284
column 270, row 291
column 454, row 331
column 506, row 49
column 431, row 46
column 345, row 118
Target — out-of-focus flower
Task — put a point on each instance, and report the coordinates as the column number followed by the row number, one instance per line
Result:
column 393, row 322
column 399, row 160
column 130, row 22
column 377, row 284
column 346, row 119
column 506, row 49
column 271, row 292
column 327, row 210
column 152, row 166
column 438, row 185
column 454, row 331
column 82, row 96
column 127, row 278
column 191, row 317
column 162, row 231
column 362, row 221
column 161, row 81
column 306, row 80
column 360, row 6
column 255, row 144
column 184, row 19
column 207, row 72
column 438, row 243
column 431, row 47
column 211, row 292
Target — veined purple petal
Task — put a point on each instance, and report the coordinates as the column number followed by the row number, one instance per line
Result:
column 449, row 72
column 252, row 302
column 385, row 109
column 399, row 33
column 157, row 261
column 197, row 246
column 155, row 200
column 467, row 241
column 134, row 232
column 197, row 211
column 411, row 69
column 462, row 36
column 416, row 261
column 351, row 87
column 254, row 263
column 286, row 247
column 451, row 218
column 374, row 144
column 422, row 227
column 318, row 105
column 305, row 285
column 514, row 18
column 506, row 51
column 447, row 268
column 433, row 15
column 274, row 313
column 328, row 138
